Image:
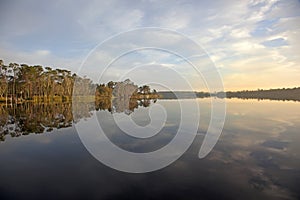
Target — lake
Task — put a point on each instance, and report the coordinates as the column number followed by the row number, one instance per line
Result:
column 256, row 157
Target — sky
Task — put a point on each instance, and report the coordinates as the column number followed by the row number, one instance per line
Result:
column 249, row 44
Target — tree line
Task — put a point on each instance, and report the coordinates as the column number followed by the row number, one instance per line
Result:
column 19, row 82
column 22, row 82
column 126, row 89
column 272, row 94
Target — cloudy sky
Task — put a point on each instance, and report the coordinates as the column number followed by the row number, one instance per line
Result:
column 252, row 44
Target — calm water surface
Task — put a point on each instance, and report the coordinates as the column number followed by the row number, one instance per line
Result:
column 256, row 157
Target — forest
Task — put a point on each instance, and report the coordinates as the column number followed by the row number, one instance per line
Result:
column 24, row 83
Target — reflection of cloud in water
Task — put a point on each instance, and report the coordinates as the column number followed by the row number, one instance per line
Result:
column 256, row 147
column 263, row 126
column 276, row 144
column 242, row 167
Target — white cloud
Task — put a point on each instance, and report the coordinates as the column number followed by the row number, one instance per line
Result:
column 240, row 33
column 42, row 52
column 260, row 13
column 174, row 20
column 246, row 46
column 128, row 20
column 39, row 57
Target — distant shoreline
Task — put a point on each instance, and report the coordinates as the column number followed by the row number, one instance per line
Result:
column 284, row 94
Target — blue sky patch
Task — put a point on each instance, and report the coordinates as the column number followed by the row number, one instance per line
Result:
column 278, row 42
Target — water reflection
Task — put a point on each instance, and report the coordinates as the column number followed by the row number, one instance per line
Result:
column 256, row 157
column 122, row 104
column 23, row 119
column 259, row 148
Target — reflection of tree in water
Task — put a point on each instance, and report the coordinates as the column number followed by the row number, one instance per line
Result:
column 23, row 119
column 120, row 105
column 126, row 98
column 127, row 105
